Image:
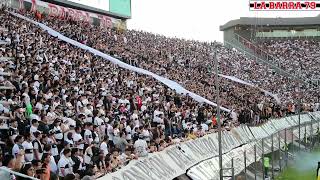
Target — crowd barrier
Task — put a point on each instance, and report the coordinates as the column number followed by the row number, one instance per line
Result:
column 199, row 158
column 271, row 132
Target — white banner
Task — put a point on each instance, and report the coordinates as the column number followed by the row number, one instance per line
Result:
column 232, row 78
column 171, row 84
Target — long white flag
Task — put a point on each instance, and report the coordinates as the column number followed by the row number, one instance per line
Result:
column 171, row 84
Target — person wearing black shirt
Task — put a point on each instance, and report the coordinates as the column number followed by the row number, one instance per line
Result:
column 100, row 162
column 200, row 117
column 43, row 125
column 37, row 146
column 78, row 163
column 21, row 120
column 13, row 131
column 177, row 101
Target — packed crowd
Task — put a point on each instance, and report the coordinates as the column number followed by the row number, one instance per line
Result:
column 299, row 57
column 72, row 115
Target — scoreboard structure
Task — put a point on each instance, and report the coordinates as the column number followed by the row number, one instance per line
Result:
column 114, row 8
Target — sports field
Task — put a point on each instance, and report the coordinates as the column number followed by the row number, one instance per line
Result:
column 303, row 168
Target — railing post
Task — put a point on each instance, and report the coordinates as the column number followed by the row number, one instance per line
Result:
column 306, row 137
column 292, row 141
column 255, row 160
column 245, row 164
column 279, row 149
column 318, row 132
column 311, row 135
column 262, row 157
column 272, row 156
column 286, row 147
column 299, row 136
column 232, row 166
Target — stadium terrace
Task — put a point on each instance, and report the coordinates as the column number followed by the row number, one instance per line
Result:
column 84, row 97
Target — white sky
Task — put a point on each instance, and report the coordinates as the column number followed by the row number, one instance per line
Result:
column 195, row 19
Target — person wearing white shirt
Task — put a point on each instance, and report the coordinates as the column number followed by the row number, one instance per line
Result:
column 146, row 133
column 96, row 134
column 78, row 140
column 53, row 143
column 234, row 116
column 141, row 147
column 143, row 107
column 156, row 113
column 128, row 131
column 68, row 139
column 27, row 144
column 34, row 127
column 79, row 105
column 134, row 116
column 65, row 164
column 195, row 128
column 88, row 134
column 110, row 132
column 104, row 146
column 52, row 164
column 205, row 127
column 39, row 106
column 88, row 154
column 101, row 124
column 18, row 147
column 58, row 135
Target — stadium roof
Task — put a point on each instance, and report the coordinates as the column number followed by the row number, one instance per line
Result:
column 73, row 5
column 272, row 22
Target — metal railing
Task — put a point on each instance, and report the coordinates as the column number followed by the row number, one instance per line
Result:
column 286, row 153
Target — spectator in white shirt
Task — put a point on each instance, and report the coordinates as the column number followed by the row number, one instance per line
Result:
column 141, row 147
column 34, row 127
column 65, row 164
column 104, row 146
column 78, row 139
column 18, row 145
column 27, row 144
column 88, row 134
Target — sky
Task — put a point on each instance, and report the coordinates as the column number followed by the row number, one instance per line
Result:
column 195, row 19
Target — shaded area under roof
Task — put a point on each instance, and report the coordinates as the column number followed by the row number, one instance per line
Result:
column 271, row 22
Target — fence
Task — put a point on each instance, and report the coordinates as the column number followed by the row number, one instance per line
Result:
column 272, row 138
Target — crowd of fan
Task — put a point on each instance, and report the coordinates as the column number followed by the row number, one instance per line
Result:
column 71, row 114
column 299, row 57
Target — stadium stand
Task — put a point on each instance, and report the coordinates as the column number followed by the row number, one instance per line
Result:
column 60, row 102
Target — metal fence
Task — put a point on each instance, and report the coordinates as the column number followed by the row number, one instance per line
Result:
column 281, row 149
